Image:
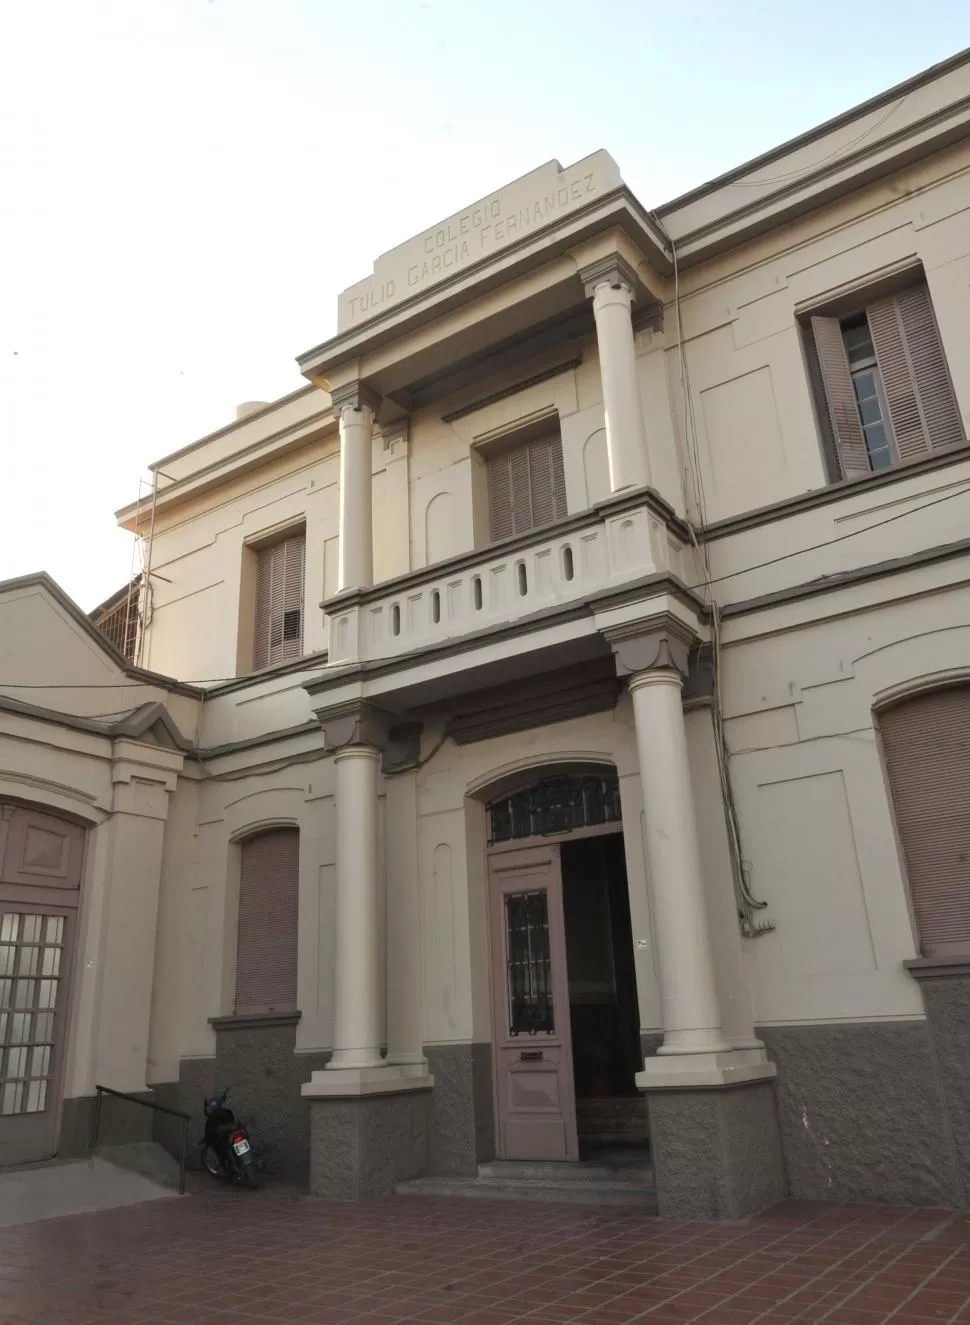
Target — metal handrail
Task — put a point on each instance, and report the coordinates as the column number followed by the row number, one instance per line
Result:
column 147, row 1104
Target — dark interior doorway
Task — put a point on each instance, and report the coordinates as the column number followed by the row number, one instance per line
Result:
column 604, row 1012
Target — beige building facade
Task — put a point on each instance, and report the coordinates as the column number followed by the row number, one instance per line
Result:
column 549, row 726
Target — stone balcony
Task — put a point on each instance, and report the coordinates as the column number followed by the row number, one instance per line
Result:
column 532, row 579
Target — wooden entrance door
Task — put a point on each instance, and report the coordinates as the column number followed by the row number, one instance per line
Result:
column 40, row 876
column 536, row 1105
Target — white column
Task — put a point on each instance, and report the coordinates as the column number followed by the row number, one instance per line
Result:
column 691, row 1016
column 358, row 1020
column 355, row 561
column 626, row 439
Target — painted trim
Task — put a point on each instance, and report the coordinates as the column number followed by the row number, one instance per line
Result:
column 937, row 968
column 303, row 390
column 910, row 689
column 819, row 131
column 254, row 1020
column 535, row 380
column 254, row 742
column 41, row 580
column 307, row 661
column 573, row 835
column 260, row 826
column 847, row 579
column 831, row 492
column 521, row 773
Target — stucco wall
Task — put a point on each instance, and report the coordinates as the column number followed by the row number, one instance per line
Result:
column 816, row 812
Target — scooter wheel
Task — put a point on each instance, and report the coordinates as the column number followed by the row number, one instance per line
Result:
column 210, row 1162
column 248, row 1176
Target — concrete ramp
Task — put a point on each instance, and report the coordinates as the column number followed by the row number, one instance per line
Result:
column 144, row 1157
column 76, row 1187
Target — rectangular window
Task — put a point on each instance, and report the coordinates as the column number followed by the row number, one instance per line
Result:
column 526, row 486
column 278, row 617
column 267, row 934
column 884, row 389
column 926, row 745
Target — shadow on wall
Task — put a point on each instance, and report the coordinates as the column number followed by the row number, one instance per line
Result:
column 438, row 529
column 596, row 468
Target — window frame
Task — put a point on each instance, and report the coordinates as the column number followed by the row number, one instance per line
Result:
column 249, row 591
column 490, row 449
column 853, row 303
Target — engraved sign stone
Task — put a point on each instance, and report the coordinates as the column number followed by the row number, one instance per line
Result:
column 514, row 213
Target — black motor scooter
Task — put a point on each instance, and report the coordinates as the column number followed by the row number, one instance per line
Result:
column 227, row 1151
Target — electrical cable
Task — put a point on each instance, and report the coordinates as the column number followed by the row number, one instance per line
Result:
column 830, row 542
column 787, row 177
column 718, row 579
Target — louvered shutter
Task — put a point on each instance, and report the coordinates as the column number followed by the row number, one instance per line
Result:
column 914, row 374
column 278, row 620
column 840, row 397
column 267, row 934
column 526, row 487
column 926, row 742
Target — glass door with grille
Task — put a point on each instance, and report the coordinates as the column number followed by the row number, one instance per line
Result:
column 536, row 1107
column 34, row 951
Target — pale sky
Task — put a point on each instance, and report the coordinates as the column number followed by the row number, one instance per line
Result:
column 185, row 186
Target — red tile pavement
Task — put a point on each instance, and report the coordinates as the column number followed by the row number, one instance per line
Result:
column 223, row 1257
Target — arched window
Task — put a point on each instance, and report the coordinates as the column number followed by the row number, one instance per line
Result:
column 269, row 881
column 555, row 805
column 926, row 741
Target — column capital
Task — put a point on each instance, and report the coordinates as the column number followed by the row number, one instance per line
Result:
column 354, row 395
column 355, row 724
column 613, row 270
column 660, row 644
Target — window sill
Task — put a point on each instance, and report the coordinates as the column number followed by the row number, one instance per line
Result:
column 252, row 1020
column 937, row 968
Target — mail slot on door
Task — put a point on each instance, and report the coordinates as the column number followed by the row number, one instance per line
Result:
column 530, row 1055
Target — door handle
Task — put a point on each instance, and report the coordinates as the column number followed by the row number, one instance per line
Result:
column 531, row 1055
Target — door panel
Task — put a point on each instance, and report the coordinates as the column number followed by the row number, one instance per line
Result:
column 530, row 1007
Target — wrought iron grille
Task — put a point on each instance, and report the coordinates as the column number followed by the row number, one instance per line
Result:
column 529, row 965
column 558, row 805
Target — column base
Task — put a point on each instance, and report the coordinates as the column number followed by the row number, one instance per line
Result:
column 716, row 1151
column 370, row 1128
column 353, row 1082
column 693, row 1071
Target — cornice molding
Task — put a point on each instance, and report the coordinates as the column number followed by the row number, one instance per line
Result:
column 655, row 644
column 355, row 396
column 612, row 270
column 355, row 723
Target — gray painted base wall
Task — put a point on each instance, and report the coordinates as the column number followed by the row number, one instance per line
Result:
column 121, row 1122
column 197, row 1077
column 260, row 1064
column 862, row 1115
column 716, row 1153
column 462, row 1114
column 947, row 1003
column 360, row 1148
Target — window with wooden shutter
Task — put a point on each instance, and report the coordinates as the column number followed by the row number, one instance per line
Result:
column 926, row 743
column 886, row 392
column 278, row 618
column 526, row 487
column 269, row 880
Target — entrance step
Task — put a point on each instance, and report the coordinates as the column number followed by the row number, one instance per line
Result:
column 582, row 1183
column 621, row 1120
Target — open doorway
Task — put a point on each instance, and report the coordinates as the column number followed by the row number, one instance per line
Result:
column 603, row 1009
